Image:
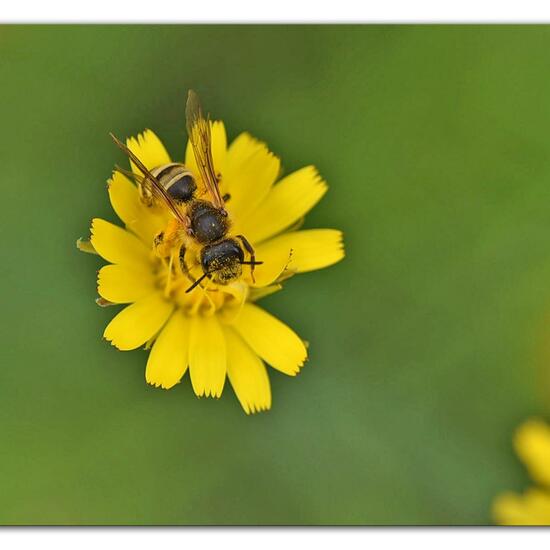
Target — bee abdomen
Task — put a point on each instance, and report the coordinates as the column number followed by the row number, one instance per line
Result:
column 177, row 180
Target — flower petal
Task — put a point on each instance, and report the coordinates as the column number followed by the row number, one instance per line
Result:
column 167, row 361
column 219, row 148
column 256, row 294
column 144, row 221
column 271, row 339
column 288, row 201
column 207, row 356
column 532, row 443
column 149, row 149
column 139, row 322
column 250, row 172
column 311, row 249
column 275, row 262
column 247, row 374
column 116, row 245
column 531, row 508
column 122, row 284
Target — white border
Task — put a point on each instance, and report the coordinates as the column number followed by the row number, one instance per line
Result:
column 278, row 11
column 274, row 539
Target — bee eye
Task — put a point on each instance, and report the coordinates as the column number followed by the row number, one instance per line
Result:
column 183, row 188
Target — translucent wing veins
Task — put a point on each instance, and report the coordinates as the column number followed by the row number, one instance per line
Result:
column 158, row 190
column 198, row 129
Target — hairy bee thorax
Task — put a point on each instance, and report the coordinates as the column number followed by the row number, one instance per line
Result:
column 208, row 223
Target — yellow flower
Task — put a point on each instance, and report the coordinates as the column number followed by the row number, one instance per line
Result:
column 532, row 444
column 215, row 330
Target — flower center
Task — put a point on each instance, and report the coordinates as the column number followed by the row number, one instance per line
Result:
column 176, row 274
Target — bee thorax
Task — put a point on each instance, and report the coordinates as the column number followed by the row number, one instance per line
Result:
column 207, row 222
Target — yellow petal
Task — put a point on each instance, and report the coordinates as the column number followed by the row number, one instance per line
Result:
column 121, row 284
column 118, row 246
column 288, row 201
column 532, row 443
column 247, row 374
column 256, row 294
column 532, row 508
column 219, row 149
column 207, row 356
column 149, row 149
column 311, row 249
column 139, row 322
column 275, row 262
column 271, row 339
column 167, row 361
column 144, row 221
column 250, row 171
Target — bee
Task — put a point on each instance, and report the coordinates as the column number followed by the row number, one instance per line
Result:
column 206, row 222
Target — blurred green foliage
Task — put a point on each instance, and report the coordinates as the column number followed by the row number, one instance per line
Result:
column 429, row 343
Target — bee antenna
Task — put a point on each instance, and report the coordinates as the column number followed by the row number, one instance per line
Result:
column 204, row 275
column 197, row 282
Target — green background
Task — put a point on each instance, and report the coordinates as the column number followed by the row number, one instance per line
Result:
column 429, row 343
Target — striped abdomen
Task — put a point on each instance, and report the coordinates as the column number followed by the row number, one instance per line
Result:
column 177, row 180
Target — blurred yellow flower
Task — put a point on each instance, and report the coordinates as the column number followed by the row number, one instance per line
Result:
column 532, row 444
column 215, row 330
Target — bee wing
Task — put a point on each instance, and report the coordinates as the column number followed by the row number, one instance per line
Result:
column 156, row 188
column 136, row 177
column 198, row 129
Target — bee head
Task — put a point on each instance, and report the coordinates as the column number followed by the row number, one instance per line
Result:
column 222, row 262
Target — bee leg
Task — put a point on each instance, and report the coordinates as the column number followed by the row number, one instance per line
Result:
column 183, row 265
column 250, row 250
column 145, row 194
column 169, row 276
column 159, row 238
column 161, row 245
